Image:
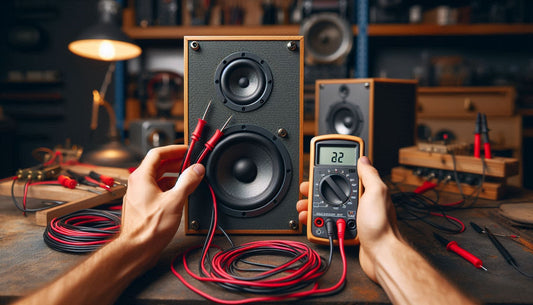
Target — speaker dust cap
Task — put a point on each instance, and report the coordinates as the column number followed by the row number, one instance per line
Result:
column 250, row 171
column 345, row 118
column 243, row 81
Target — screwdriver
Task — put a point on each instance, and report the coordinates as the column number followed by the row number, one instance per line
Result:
column 454, row 247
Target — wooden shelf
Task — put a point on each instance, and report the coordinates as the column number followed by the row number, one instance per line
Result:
column 178, row 32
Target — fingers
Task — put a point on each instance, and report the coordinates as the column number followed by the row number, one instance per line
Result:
column 301, row 207
column 304, row 188
column 155, row 156
column 187, row 183
column 368, row 174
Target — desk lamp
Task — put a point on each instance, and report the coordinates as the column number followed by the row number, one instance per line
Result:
column 106, row 42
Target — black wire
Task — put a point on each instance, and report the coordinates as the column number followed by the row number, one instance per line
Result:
column 21, row 207
column 80, row 241
column 420, row 207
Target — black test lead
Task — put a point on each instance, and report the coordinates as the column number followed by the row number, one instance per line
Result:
column 454, row 247
column 501, row 248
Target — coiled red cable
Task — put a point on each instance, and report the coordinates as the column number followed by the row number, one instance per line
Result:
column 276, row 283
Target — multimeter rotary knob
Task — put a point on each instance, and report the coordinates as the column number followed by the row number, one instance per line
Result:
column 335, row 189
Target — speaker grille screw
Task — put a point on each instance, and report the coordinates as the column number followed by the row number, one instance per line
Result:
column 195, row 45
column 195, row 225
column 292, row 46
column 293, row 224
column 282, row 133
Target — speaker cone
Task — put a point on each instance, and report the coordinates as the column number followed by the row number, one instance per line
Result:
column 328, row 38
column 244, row 81
column 345, row 118
column 249, row 171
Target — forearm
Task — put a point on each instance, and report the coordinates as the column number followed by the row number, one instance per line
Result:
column 408, row 278
column 98, row 280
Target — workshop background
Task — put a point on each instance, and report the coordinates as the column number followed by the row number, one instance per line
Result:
column 46, row 91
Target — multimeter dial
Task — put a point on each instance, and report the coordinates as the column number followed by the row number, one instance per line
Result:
column 335, row 189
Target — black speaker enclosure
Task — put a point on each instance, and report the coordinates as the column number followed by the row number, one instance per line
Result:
column 384, row 110
column 268, row 123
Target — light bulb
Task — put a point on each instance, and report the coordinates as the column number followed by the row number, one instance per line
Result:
column 106, row 50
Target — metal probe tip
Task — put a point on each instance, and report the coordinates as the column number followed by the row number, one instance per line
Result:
column 206, row 110
column 483, row 268
column 227, row 122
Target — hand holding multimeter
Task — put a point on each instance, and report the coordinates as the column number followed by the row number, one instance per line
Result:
column 334, row 185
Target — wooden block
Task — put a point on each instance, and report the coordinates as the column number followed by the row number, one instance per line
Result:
column 42, row 218
column 465, row 102
column 490, row 190
column 496, row 167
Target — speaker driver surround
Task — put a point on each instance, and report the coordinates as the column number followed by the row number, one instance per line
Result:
column 345, row 118
column 244, row 81
column 249, row 170
column 328, row 38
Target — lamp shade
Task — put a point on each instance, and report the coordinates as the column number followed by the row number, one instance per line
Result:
column 104, row 40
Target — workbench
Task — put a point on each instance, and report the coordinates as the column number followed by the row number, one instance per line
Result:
column 26, row 263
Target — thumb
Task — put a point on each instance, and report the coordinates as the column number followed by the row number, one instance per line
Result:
column 368, row 174
column 188, row 181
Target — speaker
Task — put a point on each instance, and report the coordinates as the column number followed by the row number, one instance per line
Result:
column 380, row 111
column 328, row 39
column 255, row 169
column 147, row 134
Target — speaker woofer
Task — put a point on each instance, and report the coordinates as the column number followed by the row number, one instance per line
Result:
column 328, row 38
column 249, row 171
column 244, row 81
column 345, row 118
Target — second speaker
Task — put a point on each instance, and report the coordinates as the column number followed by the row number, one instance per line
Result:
column 380, row 111
column 255, row 169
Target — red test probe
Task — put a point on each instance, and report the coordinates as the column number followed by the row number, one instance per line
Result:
column 109, row 181
column 197, row 133
column 477, row 136
column 209, row 145
column 454, row 247
column 485, row 135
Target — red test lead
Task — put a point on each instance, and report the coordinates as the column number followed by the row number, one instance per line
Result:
column 454, row 247
column 477, row 137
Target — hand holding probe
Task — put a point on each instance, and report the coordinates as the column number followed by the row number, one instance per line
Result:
column 454, row 247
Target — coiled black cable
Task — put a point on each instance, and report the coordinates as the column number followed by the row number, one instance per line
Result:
column 82, row 231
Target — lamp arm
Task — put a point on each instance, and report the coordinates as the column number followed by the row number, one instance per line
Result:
column 99, row 100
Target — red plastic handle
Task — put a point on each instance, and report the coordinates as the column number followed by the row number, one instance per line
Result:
column 454, row 247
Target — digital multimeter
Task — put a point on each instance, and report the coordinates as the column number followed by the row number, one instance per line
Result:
column 334, row 185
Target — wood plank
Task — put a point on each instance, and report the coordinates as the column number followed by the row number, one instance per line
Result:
column 490, row 190
column 496, row 167
column 42, row 218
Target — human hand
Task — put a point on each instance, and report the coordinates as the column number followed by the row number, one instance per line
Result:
column 152, row 209
column 376, row 218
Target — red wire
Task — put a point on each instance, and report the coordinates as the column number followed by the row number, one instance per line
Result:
column 454, row 219
column 273, row 283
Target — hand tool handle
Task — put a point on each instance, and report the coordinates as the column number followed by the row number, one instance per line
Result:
column 454, row 247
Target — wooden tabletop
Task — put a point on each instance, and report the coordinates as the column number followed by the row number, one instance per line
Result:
column 26, row 263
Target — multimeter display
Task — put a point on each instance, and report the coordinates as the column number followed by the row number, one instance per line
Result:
column 334, row 185
column 337, row 154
